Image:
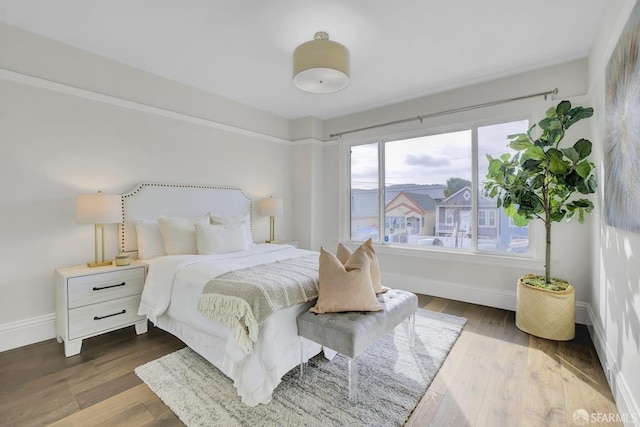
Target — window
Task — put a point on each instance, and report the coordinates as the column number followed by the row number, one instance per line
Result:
column 427, row 191
column 364, row 192
column 487, row 218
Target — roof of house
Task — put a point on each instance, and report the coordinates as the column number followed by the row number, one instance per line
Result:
column 463, row 196
column 425, row 201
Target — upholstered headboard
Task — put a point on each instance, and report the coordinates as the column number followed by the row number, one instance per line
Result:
column 149, row 200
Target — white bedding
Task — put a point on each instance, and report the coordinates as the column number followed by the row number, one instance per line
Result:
column 169, row 299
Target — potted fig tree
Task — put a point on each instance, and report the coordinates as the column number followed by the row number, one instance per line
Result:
column 539, row 181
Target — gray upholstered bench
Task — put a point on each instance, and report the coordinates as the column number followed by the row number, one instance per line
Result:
column 352, row 333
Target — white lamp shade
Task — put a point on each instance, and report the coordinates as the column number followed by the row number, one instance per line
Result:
column 98, row 209
column 272, row 206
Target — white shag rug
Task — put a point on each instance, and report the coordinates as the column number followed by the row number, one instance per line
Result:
column 392, row 378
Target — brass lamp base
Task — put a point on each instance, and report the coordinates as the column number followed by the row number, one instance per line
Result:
column 99, row 263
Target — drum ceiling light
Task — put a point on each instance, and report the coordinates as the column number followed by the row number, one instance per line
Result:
column 321, row 65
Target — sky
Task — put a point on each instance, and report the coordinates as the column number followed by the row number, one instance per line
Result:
column 431, row 159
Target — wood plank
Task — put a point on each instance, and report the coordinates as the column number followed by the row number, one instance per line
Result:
column 133, row 417
column 584, row 383
column 437, row 304
column 423, row 300
column 545, row 400
column 456, row 308
column 426, row 409
column 131, row 400
column 107, row 389
column 462, row 401
column 455, row 360
column 505, row 392
column 42, row 407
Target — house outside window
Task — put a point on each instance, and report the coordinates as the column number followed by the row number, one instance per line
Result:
column 427, row 191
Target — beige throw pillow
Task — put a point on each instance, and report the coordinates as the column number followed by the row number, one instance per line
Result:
column 343, row 253
column 345, row 287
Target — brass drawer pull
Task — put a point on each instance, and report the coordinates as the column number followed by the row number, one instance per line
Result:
column 95, row 288
column 109, row 315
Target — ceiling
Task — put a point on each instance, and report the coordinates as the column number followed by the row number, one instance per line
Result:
column 242, row 50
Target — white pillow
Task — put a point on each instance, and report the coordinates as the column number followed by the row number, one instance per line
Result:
column 217, row 239
column 179, row 234
column 242, row 220
column 150, row 242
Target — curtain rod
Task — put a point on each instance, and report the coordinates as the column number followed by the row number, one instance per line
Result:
column 442, row 113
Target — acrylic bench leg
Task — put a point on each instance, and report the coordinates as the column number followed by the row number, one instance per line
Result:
column 412, row 330
column 353, row 381
column 302, row 361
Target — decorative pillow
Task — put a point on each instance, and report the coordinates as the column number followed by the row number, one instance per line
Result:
column 150, row 242
column 345, row 287
column 217, row 239
column 179, row 234
column 243, row 220
column 343, row 253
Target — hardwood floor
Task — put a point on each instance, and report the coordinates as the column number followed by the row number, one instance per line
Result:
column 495, row 375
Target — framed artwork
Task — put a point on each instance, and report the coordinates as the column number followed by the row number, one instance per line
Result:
column 622, row 144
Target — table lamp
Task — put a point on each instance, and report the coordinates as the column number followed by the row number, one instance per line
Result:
column 98, row 209
column 271, row 207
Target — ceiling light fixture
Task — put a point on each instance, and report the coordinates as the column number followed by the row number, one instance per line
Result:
column 321, row 65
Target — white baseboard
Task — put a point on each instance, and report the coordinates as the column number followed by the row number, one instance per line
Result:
column 627, row 405
column 27, row 331
column 488, row 297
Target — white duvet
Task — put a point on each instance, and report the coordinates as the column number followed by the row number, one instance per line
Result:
column 169, row 299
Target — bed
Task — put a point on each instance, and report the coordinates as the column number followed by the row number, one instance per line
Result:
column 175, row 282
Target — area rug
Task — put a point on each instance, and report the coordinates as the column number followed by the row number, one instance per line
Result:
column 392, row 378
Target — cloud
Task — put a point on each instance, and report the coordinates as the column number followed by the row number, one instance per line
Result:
column 425, row 160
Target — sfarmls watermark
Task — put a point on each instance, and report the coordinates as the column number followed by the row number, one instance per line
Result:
column 582, row 417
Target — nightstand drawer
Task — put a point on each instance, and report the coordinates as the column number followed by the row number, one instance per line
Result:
column 94, row 288
column 96, row 318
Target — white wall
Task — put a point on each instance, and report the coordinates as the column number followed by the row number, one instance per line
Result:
column 615, row 256
column 57, row 141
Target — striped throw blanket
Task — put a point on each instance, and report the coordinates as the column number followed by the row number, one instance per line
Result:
column 243, row 299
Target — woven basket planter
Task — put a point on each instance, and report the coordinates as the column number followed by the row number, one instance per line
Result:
column 544, row 313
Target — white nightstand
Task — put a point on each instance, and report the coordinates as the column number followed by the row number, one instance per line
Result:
column 92, row 301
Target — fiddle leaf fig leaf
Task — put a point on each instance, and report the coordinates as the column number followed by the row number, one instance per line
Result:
column 521, row 143
column 555, row 135
column 578, row 114
column 556, row 164
column 551, row 112
column 535, row 153
column 495, row 165
column 583, row 147
column 558, row 215
column 563, row 108
column 586, row 186
column 583, row 169
column 550, row 124
column 545, row 123
column 531, row 165
column 572, row 154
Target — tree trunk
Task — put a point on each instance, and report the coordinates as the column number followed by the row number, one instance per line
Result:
column 547, row 257
column 546, row 201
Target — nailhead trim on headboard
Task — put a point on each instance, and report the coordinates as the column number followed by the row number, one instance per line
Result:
column 143, row 185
